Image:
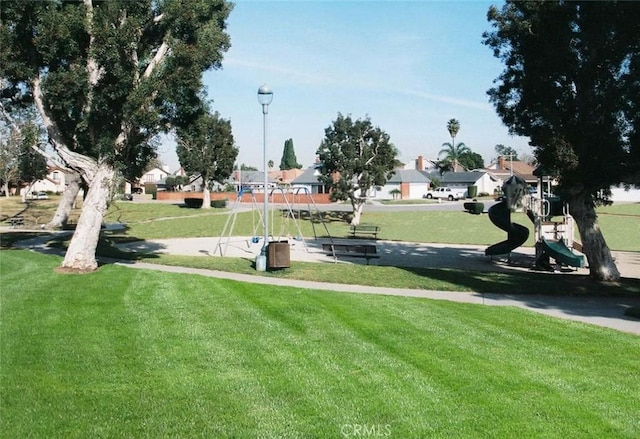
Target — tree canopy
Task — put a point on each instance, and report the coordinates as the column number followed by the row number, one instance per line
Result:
column 107, row 77
column 207, row 147
column 571, row 83
column 506, row 151
column 354, row 157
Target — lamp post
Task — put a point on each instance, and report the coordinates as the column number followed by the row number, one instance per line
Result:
column 265, row 96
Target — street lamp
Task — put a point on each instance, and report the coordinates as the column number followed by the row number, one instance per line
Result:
column 265, row 96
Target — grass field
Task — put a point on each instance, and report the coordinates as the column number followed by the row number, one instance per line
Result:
column 132, row 353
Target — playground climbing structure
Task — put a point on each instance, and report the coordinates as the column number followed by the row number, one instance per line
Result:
column 554, row 238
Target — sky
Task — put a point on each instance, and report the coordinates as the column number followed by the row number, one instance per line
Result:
column 408, row 66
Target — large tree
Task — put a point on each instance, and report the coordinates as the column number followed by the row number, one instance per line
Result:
column 450, row 150
column 21, row 159
column 107, row 77
column 206, row 147
column 471, row 160
column 572, row 84
column 506, row 151
column 289, row 160
column 354, row 157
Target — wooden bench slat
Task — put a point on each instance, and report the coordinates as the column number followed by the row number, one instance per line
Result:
column 366, row 251
column 365, row 229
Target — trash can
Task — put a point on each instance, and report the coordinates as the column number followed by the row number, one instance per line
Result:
column 472, row 191
column 279, row 254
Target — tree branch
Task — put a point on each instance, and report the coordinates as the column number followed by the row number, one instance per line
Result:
column 157, row 60
column 78, row 162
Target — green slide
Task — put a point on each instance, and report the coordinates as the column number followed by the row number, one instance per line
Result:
column 561, row 253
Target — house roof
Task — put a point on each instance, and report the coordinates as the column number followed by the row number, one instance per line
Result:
column 409, row 176
column 503, row 169
column 309, row 176
column 460, row 178
column 251, row 177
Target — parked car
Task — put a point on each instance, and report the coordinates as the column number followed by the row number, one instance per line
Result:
column 41, row 195
column 447, row 193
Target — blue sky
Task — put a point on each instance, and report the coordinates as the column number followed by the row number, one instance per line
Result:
column 409, row 66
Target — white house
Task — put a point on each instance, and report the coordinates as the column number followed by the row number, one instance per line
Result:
column 54, row 181
column 407, row 183
column 484, row 181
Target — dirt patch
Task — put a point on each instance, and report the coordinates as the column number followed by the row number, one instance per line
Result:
column 67, row 270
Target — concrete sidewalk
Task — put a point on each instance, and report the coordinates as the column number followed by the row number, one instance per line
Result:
column 395, row 253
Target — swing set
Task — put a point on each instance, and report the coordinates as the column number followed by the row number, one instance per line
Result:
column 289, row 216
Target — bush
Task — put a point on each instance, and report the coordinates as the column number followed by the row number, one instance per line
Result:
column 194, row 203
column 474, row 207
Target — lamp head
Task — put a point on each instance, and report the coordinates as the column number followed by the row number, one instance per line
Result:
column 265, row 96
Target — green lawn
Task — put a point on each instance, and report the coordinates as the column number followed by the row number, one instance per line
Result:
column 620, row 224
column 133, row 353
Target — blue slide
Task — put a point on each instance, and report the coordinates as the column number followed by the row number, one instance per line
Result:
column 500, row 216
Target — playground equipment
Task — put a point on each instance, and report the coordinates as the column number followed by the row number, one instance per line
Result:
column 279, row 256
column 554, row 238
column 500, row 215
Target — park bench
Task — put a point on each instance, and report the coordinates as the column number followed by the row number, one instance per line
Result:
column 365, row 230
column 16, row 221
column 367, row 251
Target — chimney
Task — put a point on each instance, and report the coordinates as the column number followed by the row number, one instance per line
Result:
column 501, row 162
column 420, row 163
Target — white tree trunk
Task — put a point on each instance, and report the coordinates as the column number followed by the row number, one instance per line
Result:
column 601, row 264
column 358, row 207
column 67, row 202
column 5, row 188
column 206, row 197
column 81, row 254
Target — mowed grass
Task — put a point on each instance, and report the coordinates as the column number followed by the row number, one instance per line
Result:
column 133, row 353
column 620, row 224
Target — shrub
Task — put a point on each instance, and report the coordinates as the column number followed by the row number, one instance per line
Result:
column 219, row 204
column 474, row 207
column 194, row 203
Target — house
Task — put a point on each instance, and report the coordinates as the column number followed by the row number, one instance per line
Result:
column 154, row 175
column 310, row 179
column 411, row 184
column 54, row 181
column 422, row 164
column 503, row 169
column 484, row 181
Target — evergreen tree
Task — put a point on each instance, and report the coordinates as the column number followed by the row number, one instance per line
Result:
column 571, row 83
column 289, row 160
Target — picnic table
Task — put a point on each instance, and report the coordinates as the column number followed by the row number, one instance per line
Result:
column 16, row 221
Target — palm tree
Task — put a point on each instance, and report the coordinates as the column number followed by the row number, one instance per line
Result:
column 453, row 126
column 451, row 151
